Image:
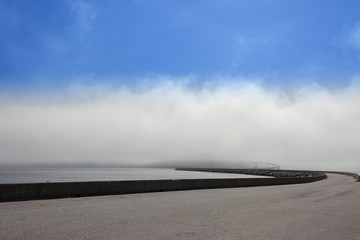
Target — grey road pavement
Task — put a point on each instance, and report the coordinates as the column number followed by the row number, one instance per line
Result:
column 328, row 209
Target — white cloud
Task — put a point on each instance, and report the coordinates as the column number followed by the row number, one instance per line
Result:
column 245, row 47
column 85, row 15
column 354, row 38
column 171, row 123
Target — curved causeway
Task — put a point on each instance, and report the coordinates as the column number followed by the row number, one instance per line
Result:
column 326, row 209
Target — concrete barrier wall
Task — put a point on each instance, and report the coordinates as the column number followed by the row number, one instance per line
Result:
column 30, row 191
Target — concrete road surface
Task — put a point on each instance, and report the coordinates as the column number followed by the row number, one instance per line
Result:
column 328, row 209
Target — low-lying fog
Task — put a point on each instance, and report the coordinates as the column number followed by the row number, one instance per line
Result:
column 171, row 124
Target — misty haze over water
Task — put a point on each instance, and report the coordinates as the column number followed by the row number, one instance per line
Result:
column 171, row 124
column 37, row 175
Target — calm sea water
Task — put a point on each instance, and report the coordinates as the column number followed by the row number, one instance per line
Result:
column 36, row 175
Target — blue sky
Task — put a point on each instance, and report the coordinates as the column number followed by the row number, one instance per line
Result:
column 51, row 44
column 149, row 82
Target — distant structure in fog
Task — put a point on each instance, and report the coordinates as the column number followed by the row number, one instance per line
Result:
column 260, row 165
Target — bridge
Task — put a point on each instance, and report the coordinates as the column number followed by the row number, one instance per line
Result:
column 260, row 165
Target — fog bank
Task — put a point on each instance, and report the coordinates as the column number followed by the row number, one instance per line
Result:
column 169, row 124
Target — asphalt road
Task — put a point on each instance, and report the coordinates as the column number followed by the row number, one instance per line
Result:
column 328, row 209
